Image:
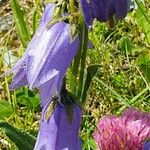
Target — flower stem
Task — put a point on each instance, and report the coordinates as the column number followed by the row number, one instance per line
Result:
column 76, row 64
column 72, row 7
column 83, row 59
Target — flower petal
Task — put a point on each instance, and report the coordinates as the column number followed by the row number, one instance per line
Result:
column 19, row 79
column 103, row 10
column 56, row 133
column 46, row 59
column 121, row 8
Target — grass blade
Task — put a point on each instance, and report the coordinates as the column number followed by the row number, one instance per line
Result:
column 21, row 23
column 22, row 140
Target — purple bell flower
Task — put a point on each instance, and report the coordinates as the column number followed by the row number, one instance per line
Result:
column 103, row 10
column 56, row 133
column 43, row 66
column 46, row 59
column 146, row 145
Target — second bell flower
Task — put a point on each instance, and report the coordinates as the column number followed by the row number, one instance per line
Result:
column 103, row 10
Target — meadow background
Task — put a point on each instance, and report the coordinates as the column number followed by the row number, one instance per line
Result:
column 122, row 80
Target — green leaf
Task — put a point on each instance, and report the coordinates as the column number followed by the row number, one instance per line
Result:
column 89, row 144
column 21, row 23
column 142, row 19
column 118, row 80
column 143, row 62
column 36, row 15
column 126, row 45
column 25, row 101
column 84, row 41
column 118, row 96
column 30, row 102
column 92, row 144
column 22, row 140
column 35, row 102
column 133, row 100
column 5, row 109
column 91, row 71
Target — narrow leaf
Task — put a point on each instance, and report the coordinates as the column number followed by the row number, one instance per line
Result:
column 91, row 71
column 142, row 19
column 36, row 15
column 22, row 140
column 5, row 109
column 21, row 23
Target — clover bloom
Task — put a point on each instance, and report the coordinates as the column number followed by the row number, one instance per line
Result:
column 45, row 61
column 103, row 10
column 126, row 132
column 56, row 133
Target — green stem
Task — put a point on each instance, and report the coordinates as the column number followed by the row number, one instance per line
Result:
column 76, row 64
column 83, row 59
column 35, row 14
column 8, row 91
column 72, row 7
column 14, row 101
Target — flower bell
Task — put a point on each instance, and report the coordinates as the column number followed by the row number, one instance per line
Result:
column 56, row 133
column 46, row 59
column 104, row 10
column 59, row 125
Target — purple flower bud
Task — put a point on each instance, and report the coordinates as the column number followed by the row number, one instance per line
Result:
column 146, row 145
column 56, row 133
column 46, row 59
column 103, row 10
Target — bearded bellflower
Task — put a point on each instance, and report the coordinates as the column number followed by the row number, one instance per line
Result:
column 60, row 123
column 104, row 10
column 57, row 133
column 43, row 66
column 45, row 61
column 126, row 132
